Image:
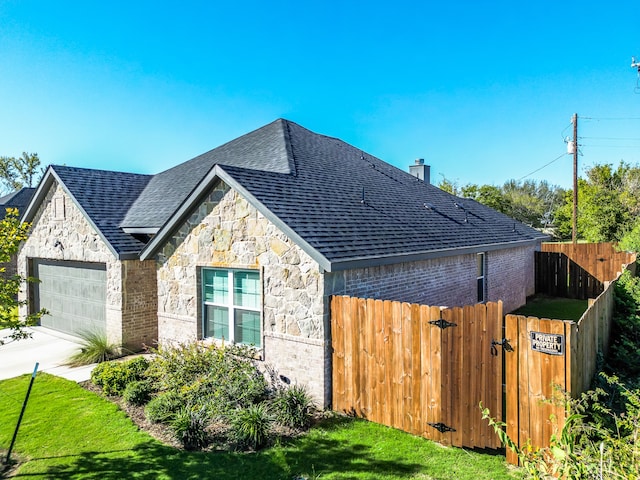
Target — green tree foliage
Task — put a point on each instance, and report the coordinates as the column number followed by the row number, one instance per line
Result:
column 18, row 172
column 12, row 233
column 608, row 204
column 532, row 203
column 488, row 195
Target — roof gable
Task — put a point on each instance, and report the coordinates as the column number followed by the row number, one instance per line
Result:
column 103, row 196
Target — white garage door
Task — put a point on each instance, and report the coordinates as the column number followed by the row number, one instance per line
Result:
column 73, row 293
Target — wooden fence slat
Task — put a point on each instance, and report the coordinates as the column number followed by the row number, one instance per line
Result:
column 512, row 382
column 416, row 371
column 426, row 374
column 435, row 403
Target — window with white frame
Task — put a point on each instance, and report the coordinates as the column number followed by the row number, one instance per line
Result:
column 231, row 305
column 481, row 276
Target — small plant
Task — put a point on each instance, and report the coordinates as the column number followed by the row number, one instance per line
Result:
column 138, row 392
column 293, row 407
column 114, row 376
column 162, row 408
column 189, row 427
column 250, row 426
column 94, row 348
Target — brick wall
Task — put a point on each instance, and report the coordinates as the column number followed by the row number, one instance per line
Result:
column 139, row 304
column 449, row 281
column 511, row 276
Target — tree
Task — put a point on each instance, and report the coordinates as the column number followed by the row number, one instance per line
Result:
column 12, row 233
column 608, row 204
column 19, row 172
column 488, row 195
column 529, row 202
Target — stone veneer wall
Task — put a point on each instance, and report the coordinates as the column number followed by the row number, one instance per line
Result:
column 58, row 219
column 226, row 231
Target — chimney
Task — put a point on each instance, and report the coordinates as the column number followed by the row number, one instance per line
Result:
column 420, row 170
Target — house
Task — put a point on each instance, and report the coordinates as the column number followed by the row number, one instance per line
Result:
column 15, row 200
column 248, row 241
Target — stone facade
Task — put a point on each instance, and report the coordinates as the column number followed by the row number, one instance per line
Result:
column 61, row 232
column 225, row 231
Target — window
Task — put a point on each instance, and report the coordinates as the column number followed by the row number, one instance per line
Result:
column 231, row 305
column 481, row 277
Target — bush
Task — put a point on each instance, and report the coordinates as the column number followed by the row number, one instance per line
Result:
column 138, row 392
column 293, row 407
column 221, row 379
column 163, row 408
column 188, row 426
column 114, row 376
column 250, row 426
column 94, row 348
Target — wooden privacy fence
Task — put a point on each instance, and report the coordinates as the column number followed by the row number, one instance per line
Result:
column 601, row 260
column 417, row 368
column 549, row 357
column 559, row 276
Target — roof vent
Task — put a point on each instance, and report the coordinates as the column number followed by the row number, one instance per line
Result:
column 420, row 170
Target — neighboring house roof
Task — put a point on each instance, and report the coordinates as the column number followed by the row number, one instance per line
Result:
column 343, row 206
column 19, row 199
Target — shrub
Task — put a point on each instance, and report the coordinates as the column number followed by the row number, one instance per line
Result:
column 162, row 408
column 138, row 392
column 114, row 376
column 188, row 426
column 293, row 407
column 94, row 348
column 250, row 426
column 218, row 378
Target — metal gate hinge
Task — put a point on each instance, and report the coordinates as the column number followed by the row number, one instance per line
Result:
column 442, row 323
column 504, row 343
column 441, row 427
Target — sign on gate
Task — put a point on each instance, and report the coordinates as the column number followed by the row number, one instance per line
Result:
column 552, row 344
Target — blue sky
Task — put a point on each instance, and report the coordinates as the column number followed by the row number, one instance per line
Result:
column 484, row 91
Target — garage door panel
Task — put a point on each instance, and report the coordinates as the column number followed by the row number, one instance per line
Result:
column 74, row 294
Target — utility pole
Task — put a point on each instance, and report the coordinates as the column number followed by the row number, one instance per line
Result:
column 574, row 233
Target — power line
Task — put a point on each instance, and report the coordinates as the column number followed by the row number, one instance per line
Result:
column 612, row 138
column 609, row 118
column 544, row 166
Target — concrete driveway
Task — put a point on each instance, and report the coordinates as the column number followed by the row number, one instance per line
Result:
column 51, row 349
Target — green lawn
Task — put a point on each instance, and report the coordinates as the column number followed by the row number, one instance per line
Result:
column 553, row 307
column 71, row 433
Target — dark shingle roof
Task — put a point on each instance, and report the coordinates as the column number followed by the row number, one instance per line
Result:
column 265, row 149
column 400, row 215
column 341, row 204
column 18, row 199
column 106, row 197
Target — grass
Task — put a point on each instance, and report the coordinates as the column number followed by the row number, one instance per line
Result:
column 554, row 308
column 70, row 433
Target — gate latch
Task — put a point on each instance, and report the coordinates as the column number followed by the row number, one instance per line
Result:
column 504, row 343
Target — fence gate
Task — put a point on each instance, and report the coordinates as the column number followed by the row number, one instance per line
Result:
column 418, row 368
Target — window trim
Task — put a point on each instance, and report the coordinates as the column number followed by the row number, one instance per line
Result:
column 230, row 305
column 481, row 276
